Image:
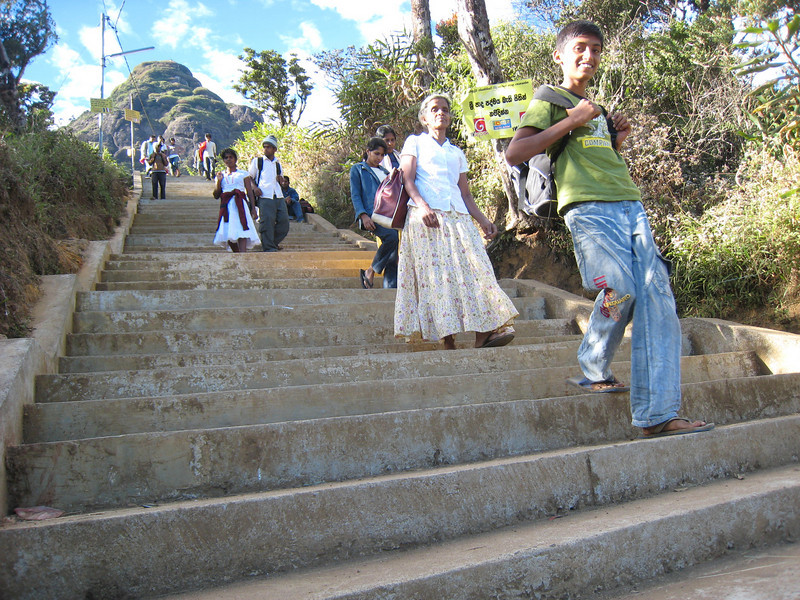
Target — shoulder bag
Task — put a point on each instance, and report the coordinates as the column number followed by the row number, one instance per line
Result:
column 391, row 201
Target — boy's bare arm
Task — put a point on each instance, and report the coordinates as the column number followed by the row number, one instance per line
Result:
column 529, row 141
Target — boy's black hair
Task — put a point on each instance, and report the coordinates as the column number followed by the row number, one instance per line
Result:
column 228, row 151
column 383, row 130
column 577, row 28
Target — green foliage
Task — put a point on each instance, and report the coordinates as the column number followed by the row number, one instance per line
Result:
column 54, row 187
column 745, row 252
column 775, row 45
column 277, row 88
column 375, row 85
column 26, row 31
column 36, row 101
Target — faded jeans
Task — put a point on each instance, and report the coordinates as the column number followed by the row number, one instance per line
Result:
column 616, row 254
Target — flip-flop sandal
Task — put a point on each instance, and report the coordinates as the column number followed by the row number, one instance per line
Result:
column 658, row 431
column 364, row 281
column 612, row 385
column 495, row 340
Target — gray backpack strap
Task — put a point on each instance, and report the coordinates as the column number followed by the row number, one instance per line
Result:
column 548, row 94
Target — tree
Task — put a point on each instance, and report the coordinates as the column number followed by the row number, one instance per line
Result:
column 777, row 44
column 26, row 31
column 473, row 29
column 423, row 41
column 276, row 87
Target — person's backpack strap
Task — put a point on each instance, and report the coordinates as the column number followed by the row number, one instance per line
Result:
column 548, row 94
column 278, row 167
column 260, row 167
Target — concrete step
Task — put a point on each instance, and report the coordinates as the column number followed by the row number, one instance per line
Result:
column 770, row 572
column 211, row 276
column 277, row 258
column 351, row 282
column 362, row 314
column 253, row 338
column 611, row 547
column 239, row 298
column 127, row 362
column 194, row 380
column 271, row 401
column 160, row 466
column 179, row 240
column 492, row 523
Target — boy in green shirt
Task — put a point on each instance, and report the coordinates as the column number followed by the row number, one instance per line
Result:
column 613, row 244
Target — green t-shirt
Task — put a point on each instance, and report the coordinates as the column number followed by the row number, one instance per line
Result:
column 589, row 168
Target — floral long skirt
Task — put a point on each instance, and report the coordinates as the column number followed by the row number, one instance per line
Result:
column 446, row 283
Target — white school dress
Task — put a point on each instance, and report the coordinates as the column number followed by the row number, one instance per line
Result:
column 234, row 229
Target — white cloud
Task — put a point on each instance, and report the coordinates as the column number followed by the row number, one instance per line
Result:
column 374, row 20
column 224, row 69
column 174, row 27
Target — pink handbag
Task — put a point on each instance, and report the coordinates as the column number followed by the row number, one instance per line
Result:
column 391, row 201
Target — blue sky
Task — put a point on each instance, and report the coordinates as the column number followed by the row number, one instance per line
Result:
column 207, row 37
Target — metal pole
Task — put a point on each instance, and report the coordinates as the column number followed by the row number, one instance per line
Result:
column 102, row 76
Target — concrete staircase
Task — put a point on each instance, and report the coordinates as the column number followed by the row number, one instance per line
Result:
column 246, row 426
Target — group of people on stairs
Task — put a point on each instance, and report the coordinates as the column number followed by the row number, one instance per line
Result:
column 444, row 279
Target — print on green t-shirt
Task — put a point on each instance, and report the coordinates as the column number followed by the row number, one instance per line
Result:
column 589, row 168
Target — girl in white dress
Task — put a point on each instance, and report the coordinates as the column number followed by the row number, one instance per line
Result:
column 234, row 188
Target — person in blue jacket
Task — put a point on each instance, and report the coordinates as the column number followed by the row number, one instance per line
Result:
column 365, row 177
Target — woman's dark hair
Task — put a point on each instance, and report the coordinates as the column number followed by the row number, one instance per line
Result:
column 229, row 152
column 375, row 143
column 383, row 130
column 576, row 29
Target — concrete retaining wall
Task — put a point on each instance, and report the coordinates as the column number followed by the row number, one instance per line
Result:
column 21, row 360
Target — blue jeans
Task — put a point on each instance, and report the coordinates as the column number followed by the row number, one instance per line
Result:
column 616, row 254
column 385, row 260
column 296, row 210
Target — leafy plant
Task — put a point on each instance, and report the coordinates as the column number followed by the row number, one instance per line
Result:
column 276, row 87
column 775, row 43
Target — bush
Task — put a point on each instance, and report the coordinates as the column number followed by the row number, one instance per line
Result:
column 54, row 188
column 743, row 254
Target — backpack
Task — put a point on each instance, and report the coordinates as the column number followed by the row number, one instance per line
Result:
column 533, row 180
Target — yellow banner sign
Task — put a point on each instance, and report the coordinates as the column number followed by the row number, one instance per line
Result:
column 133, row 115
column 494, row 111
column 100, row 105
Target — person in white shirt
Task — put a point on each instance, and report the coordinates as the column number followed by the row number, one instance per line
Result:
column 273, row 216
column 210, row 158
column 446, row 283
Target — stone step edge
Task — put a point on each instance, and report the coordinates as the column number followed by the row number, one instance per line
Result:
column 213, row 522
column 371, row 370
column 613, row 547
column 289, row 454
column 52, row 421
column 284, row 354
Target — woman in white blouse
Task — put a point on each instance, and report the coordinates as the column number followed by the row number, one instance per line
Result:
column 234, row 189
column 446, row 283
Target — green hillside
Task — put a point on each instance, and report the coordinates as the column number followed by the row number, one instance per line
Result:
column 172, row 102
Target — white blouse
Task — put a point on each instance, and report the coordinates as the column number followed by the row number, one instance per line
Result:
column 233, row 181
column 438, row 170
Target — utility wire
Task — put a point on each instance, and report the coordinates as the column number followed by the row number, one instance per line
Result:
column 133, row 78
